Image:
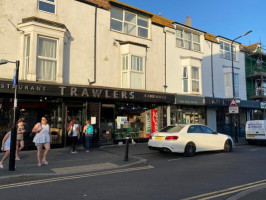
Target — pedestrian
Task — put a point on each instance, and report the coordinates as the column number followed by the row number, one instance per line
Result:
column 6, row 146
column 42, row 139
column 20, row 139
column 88, row 131
column 75, row 128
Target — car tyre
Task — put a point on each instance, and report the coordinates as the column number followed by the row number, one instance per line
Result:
column 228, row 146
column 190, row 149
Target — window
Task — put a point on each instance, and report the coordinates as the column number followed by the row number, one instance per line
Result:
column 225, row 51
column 26, row 56
column 46, row 59
column 236, row 84
column 194, row 129
column 47, row 5
column 188, row 40
column 207, row 130
column 185, row 81
column 195, row 79
column 132, row 72
column 129, row 23
column 227, row 78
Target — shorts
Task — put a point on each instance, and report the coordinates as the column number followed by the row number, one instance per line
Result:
column 39, row 144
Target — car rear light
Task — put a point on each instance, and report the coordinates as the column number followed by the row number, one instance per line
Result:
column 171, row 138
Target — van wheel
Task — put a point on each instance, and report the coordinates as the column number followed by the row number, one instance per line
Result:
column 228, row 146
column 190, row 149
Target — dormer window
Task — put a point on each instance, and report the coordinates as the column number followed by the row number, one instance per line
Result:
column 129, row 23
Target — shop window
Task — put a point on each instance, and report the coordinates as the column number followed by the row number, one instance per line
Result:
column 132, row 72
column 47, row 6
column 129, row 23
column 46, row 59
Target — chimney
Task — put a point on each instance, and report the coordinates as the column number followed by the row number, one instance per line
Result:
column 188, row 21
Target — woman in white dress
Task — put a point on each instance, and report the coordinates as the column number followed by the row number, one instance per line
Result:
column 42, row 139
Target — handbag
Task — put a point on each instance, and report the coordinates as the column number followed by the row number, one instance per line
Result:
column 70, row 132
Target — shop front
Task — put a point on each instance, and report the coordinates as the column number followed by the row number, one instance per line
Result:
column 225, row 122
column 114, row 113
column 188, row 110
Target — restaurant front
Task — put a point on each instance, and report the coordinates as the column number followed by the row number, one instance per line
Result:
column 114, row 113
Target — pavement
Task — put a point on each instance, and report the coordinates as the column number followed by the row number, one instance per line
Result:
column 63, row 162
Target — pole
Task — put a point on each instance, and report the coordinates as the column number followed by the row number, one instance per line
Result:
column 127, row 146
column 15, row 119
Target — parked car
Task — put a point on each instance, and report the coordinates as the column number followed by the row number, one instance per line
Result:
column 189, row 139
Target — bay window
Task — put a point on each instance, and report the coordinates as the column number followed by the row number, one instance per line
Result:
column 132, row 72
column 195, row 79
column 191, row 80
column 46, row 59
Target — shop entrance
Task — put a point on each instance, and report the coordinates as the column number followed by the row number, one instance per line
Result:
column 72, row 111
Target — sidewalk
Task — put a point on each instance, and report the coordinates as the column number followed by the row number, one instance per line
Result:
column 61, row 161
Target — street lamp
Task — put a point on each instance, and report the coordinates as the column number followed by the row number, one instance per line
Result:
column 233, row 83
column 233, row 79
column 15, row 118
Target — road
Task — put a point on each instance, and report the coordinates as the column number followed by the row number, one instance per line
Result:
column 214, row 175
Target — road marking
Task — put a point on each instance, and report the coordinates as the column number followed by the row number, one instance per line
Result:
column 174, row 159
column 227, row 191
column 50, row 180
column 254, row 149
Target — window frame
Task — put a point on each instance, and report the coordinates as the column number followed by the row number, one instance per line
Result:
column 47, row 2
column 182, row 40
column 135, row 24
column 226, row 52
column 197, row 80
column 128, row 70
column 56, row 59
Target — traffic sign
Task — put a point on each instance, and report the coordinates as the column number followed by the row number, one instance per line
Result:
column 233, row 107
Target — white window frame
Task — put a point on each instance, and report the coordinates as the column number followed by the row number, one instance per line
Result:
column 236, row 84
column 47, row 58
column 226, row 53
column 131, row 23
column 194, row 79
column 26, row 55
column 228, row 85
column 181, row 40
column 47, row 2
column 128, row 70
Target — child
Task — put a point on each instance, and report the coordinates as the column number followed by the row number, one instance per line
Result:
column 6, row 146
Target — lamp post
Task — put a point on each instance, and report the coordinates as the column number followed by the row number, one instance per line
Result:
column 233, row 83
column 15, row 117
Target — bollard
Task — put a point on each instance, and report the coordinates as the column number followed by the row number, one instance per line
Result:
column 127, row 146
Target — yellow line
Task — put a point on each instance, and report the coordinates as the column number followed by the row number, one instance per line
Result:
column 233, row 191
column 73, row 177
column 225, row 190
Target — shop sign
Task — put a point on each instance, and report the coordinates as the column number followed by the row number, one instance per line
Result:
column 85, row 92
column 154, row 120
column 210, row 101
column 262, row 105
column 189, row 100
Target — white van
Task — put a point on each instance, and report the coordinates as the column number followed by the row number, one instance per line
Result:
column 255, row 131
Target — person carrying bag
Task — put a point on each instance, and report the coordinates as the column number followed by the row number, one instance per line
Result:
column 88, row 131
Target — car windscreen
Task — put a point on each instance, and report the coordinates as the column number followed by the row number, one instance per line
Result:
column 172, row 129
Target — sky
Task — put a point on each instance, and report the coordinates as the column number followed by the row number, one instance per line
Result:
column 227, row 18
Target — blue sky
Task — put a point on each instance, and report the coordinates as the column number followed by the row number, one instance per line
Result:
column 228, row 18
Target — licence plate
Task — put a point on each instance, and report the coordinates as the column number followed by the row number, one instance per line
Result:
column 158, row 138
column 251, row 136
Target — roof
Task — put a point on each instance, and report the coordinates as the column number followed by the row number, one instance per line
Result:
column 210, row 37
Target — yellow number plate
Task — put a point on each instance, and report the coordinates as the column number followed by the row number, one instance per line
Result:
column 251, row 136
column 158, row 138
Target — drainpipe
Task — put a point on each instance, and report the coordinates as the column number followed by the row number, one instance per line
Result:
column 95, row 47
column 212, row 69
column 165, row 62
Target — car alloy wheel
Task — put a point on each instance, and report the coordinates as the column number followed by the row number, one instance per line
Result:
column 190, row 149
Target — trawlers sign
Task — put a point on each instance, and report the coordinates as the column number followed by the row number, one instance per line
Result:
column 85, row 92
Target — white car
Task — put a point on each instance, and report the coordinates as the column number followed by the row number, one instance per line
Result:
column 189, row 139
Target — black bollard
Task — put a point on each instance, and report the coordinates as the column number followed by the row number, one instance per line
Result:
column 127, row 146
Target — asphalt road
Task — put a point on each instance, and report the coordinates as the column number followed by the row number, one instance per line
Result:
column 215, row 175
